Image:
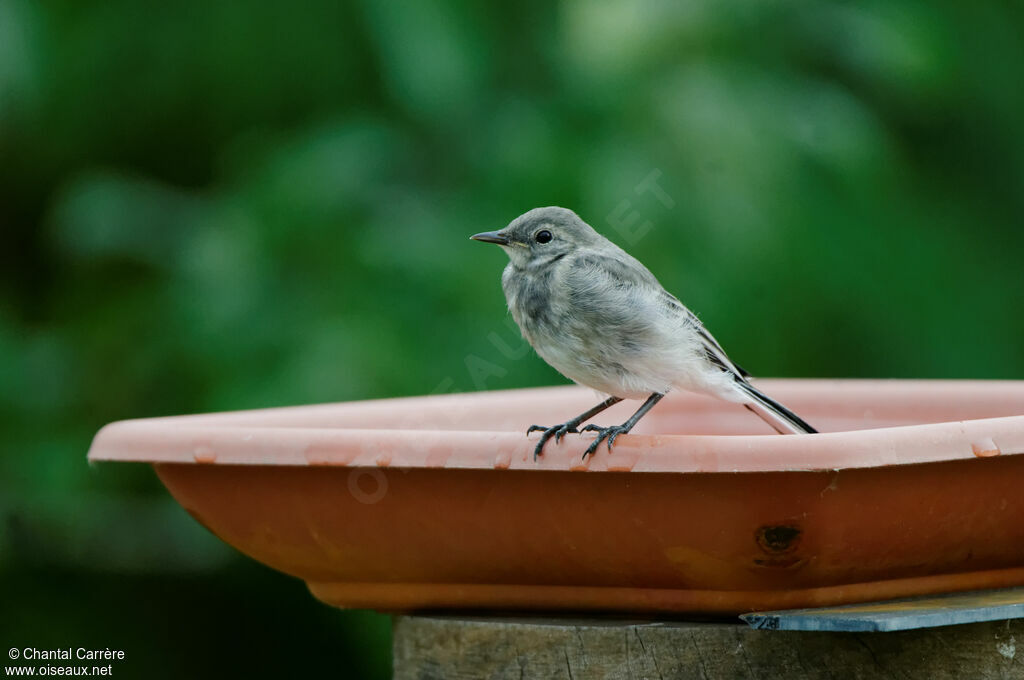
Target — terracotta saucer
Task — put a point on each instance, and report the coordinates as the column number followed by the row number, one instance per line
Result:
column 435, row 502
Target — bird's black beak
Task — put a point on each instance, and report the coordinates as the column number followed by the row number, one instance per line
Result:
column 491, row 237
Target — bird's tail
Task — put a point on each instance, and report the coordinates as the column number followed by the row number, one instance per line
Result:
column 774, row 413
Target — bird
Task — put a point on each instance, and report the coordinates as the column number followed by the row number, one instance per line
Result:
column 602, row 319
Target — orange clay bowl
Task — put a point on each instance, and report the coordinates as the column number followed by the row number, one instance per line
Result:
column 436, row 502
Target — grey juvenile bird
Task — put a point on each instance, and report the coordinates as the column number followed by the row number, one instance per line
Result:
column 601, row 319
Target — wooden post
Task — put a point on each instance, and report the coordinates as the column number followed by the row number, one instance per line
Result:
column 428, row 647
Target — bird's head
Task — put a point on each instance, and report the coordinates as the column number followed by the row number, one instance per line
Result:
column 542, row 236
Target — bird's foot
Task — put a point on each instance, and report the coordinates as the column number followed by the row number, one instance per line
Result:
column 603, row 433
column 556, row 431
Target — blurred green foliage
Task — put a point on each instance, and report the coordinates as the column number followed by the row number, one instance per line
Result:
column 211, row 206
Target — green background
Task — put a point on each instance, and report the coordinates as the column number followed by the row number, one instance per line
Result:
column 214, row 206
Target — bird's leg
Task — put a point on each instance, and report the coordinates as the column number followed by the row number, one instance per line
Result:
column 610, row 433
column 559, row 431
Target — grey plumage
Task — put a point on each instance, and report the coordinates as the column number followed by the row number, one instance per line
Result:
column 600, row 318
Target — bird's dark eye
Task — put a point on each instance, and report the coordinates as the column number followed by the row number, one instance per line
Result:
column 543, row 236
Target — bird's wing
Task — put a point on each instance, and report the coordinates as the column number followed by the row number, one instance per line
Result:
column 606, row 291
column 623, row 274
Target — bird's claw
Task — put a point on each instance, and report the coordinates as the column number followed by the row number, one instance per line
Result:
column 556, row 431
column 603, row 433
